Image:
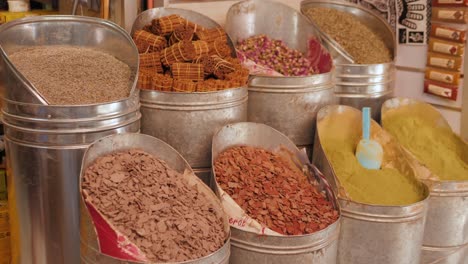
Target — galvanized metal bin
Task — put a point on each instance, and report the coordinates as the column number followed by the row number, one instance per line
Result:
column 289, row 104
column 252, row 248
column 446, row 232
column 359, row 85
column 372, row 233
column 187, row 121
column 45, row 144
column 90, row 247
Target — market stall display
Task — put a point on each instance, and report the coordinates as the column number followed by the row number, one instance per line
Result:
column 286, row 103
column 45, row 143
column 423, row 132
column 188, row 120
column 193, row 58
column 279, row 206
column 363, row 47
column 141, row 202
column 388, row 205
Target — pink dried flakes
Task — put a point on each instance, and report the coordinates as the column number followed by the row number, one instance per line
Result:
column 154, row 206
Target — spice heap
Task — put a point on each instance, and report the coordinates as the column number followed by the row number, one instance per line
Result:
column 339, row 136
column 180, row 56
column 154, row 206
column 67, row 75
column 273, row 191
column 276, row 55
column 443, row 152
column 364, row 45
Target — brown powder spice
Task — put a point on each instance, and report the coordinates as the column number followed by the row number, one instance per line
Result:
column 68, row 75
column 273, row 191
column 364, row 45
column 154, row 206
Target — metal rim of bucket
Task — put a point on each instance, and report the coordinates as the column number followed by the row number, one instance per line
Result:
column 225, row 248
column 201, row 101
column 302, row 157
column 306, row 4
column 364, row 210
column 66, row 18
column 89, row 157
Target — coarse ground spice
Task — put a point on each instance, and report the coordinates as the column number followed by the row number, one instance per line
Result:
column 364, row 45
column 339, row 135
column 441, row 150
column 68, row 75
column 154, row 206
column 273, row 191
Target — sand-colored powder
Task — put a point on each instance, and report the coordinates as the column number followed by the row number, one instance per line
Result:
column 419, row 129
column 394, row 184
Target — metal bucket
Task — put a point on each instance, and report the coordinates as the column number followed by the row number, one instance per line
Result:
column 90, row 247
column 252, row 248
column 446, row 233
column 45, row 144
column 372, row 233
column 289, row 104
column 359, row 85
column 187, row 121
column 58, row 30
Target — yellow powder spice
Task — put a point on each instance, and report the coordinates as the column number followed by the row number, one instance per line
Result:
column 420, row 129
column 391, row 185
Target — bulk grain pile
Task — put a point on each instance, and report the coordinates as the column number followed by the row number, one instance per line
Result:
column 154, row 206
column 416, row 128
column 177, row 55
column 391, row 185
column 68, row 75
column 273, row 191
column 363, row 44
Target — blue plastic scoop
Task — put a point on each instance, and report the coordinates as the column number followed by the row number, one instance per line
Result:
column 368, row 152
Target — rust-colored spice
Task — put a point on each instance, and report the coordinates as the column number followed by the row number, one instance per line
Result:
column 211, row 34
column 201, row 48
column 273, row 191
column 187, row 71
column 154, row 206
column 151, row 59
column 166, row 25
column 184, row 86
column 220, row 47
column 181, row 33
column 189, row 43
column 162, row 82
column 180, row 52
column 154, row 42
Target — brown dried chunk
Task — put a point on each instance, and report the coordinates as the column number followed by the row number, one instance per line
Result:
column 154, row 206
column 272, row 191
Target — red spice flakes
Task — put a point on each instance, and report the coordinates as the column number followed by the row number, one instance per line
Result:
column 273, row 191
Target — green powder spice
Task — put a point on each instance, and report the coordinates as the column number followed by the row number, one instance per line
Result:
column 387, row 186
column 418, row 129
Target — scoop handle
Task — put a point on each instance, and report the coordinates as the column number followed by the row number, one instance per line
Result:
column 366, row 123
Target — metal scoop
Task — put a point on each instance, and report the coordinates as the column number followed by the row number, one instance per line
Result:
column 368, row 152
